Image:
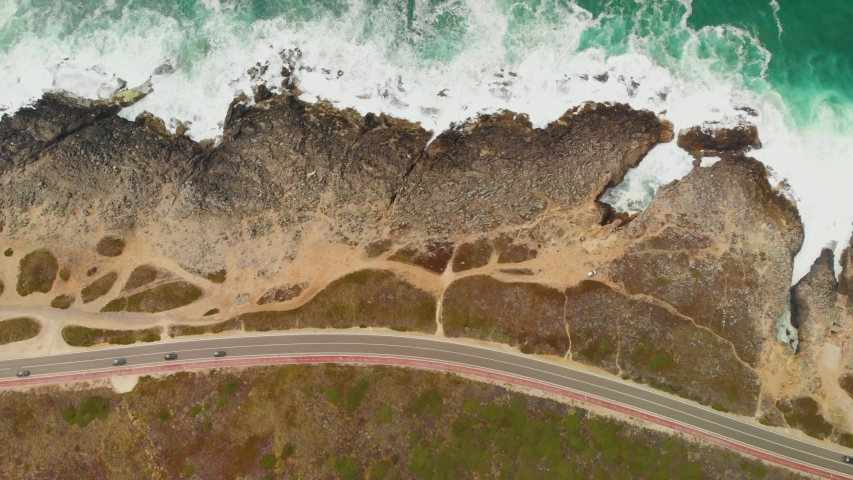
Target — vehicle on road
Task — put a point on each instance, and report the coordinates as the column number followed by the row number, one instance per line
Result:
column 23, row 373
column 119, row 361
column 219, row 353
column 847, row 459
column 171, row 356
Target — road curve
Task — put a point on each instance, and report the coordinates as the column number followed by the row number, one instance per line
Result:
column 426, row 352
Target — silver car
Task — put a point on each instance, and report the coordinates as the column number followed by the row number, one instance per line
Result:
column 23, row 373
column 171, row 356
column 119, row 361
column 219, row 353
column 847, row 459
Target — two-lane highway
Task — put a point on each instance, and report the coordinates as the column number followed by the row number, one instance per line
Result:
column 809, row 456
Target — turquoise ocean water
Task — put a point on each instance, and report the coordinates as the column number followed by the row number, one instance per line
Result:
column 789, row 62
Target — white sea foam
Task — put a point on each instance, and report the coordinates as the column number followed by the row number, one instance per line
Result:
column 379, row 72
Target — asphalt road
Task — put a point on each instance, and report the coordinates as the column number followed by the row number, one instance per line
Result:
column 422, row 348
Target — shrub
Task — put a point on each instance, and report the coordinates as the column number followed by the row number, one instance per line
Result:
column 268, row 461
column 38, row 270
column 91, row 409
column 98, row 288
column 110, row 246
column 18, row 329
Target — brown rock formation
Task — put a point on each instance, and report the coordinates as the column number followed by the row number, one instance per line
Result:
column 711, row 139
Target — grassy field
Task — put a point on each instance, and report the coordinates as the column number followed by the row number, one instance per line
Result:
column 334, row 422
column 17, row 329
column 98, row 288
column 375, row 298
column 158, row 299
column 38, row 270
column 79, row 336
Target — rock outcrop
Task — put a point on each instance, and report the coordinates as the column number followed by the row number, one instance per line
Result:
column 713, row 139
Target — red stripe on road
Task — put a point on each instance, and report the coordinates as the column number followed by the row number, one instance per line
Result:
column 431, row 365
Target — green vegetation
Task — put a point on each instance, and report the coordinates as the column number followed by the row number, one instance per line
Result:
column 472, row 255
column 430, row 403
column 368, row 297
column 98, row 288
column 433, row 256
column 653, row 358
column 91, row 409
column 38, row 270
column 334, row 395
column 484, row 431
column 65, row 274
column 268, row 462
column 377, row 248
column 79, row 336
column 227, row 325
column 221, row 402
column 18, row 329
column 804, row 414
column 212, row 311
column 110, row 246
column 188, row 471
column 62, row 302
column 356, row 394
column 385, row 413
column 158, row 299
column 696, row 273
column 141, row 276
column 520, row 314
column 661, row 281
column 8, row 252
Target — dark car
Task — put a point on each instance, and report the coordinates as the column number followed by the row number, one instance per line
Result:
column 219, row 353
column 171, row 356
column 844, row 458
column 119, row 361
column 23, row 373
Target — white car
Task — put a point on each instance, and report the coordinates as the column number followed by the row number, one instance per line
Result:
column 591, row 273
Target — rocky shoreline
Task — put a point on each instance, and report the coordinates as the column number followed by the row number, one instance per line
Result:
column 306, row 215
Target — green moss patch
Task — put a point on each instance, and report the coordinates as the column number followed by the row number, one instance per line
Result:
column 38, row 270
column 79, row 336
column 158, row 299
column 90, row 409
column 212, row 311
column 110, row 246
column 521, row 314
column 98, row 288
column 62, row 302
column 18, row 329
column 8, row 252
column 375, row 298
column 804, row 414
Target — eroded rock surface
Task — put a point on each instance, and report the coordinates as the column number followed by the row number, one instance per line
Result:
column 712, row 139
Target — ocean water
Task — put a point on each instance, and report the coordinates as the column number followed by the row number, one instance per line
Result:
column 785, row 65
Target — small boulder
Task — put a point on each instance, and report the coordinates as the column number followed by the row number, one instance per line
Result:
column 712, row 139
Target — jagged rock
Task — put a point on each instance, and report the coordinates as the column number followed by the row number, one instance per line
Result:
column 713, row 139
column 813, row 301
column 32, row 129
